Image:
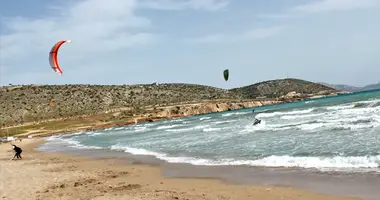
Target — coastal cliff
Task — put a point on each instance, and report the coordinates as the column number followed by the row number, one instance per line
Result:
column 204, row 108
column 57, row 108
column 122, row 118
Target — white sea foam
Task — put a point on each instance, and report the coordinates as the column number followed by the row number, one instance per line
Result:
column 223, row 138
column 94, row 133
column 234, row 113
column 204, row 118
column 70, row 142
column 295, row 112
column 140, row 129
column 302, row 116
column 167, row 127
column 337, row 162
column 224, row 122
column 187, row 129
column 340, row 107
column 317, row 162
column 211, row 129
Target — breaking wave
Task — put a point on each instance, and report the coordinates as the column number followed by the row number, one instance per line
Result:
column 329, row 134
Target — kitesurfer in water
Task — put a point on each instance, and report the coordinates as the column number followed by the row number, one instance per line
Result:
column 18, row 151
column 257, row 121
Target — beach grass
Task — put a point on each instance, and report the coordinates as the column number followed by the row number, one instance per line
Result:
column 67, row 125
column 45, row 126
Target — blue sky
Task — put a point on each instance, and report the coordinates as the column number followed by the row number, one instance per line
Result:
column 191, row 41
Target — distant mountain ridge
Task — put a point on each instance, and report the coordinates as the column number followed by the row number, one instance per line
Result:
column 349, row 88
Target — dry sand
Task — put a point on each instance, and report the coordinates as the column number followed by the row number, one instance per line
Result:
column 61, row 177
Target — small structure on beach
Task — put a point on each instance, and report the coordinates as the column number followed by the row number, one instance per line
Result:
column 10, row 138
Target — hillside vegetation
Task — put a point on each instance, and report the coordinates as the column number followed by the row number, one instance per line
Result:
column 281, row 87
column 20, row 104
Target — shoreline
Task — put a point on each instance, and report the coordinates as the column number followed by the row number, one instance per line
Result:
column 42, row 175
column 104, row 173
column 152, row 114
column 359, row 185
column 91, row 123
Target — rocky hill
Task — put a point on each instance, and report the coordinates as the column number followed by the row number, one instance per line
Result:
column 20, row 104
column 371, row 87
column 28, row 103
column 281, row 87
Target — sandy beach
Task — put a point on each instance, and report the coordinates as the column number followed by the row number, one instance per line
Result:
column 41, row 175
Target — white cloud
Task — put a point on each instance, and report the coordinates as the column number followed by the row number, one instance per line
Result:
column 276, row 16
column 255, row 34
column 321, row 6
column 335, row 5
column 93, row 26
column 210, row 5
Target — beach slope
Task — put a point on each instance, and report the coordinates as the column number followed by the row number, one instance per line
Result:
column 59, row 176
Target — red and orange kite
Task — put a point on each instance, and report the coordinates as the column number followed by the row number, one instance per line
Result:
column 53, row 57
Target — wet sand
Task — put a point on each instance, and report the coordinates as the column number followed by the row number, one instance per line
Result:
column 363, row 185
column 41, row 175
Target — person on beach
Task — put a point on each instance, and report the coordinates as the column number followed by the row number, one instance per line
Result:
column 18, row 151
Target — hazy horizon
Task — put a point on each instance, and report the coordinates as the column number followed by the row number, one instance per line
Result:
column 191, row 41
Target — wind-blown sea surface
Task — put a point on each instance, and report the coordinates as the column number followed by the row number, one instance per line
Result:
column 333, row 133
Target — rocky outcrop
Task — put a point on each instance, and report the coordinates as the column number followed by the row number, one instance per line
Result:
column 281, row 87
column 204, row 108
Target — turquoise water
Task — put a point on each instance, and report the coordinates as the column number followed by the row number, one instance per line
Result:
column 334, row 133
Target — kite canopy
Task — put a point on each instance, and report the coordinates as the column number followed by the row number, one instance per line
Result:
column 226, row 74
column 53, row 56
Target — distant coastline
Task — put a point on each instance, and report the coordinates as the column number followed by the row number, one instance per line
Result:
column 349, row 88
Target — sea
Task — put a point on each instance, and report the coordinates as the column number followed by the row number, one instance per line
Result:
column 340, row 133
